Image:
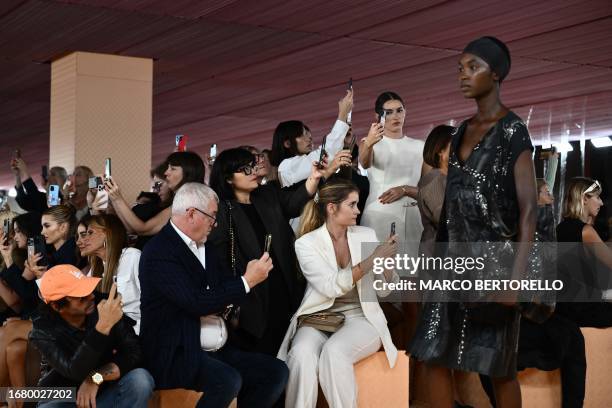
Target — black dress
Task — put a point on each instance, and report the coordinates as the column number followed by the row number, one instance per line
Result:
column 480, row 206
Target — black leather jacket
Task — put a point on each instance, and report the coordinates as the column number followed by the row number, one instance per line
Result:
column 69, row 354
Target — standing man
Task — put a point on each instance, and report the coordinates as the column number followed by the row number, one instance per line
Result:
column 182, row 284
column 92, row 349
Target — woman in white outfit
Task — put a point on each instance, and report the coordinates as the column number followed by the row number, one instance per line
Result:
column 292, row 148
column 340, row 279
column 105, row 243
column 394, row 164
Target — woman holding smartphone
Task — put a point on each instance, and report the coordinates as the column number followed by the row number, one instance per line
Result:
column 183, row 167
column 105, row 243
column 292, row 148
column 394, row 163
column 247, row 213
column 338, row 266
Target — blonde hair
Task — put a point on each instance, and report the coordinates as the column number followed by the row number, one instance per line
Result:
column 573, row 206
column 115, row 240
column 314, row 214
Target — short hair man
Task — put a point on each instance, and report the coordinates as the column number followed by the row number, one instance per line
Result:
column 93, row 349
column 181, row 281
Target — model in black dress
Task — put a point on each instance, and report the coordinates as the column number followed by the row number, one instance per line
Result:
column 490, row 197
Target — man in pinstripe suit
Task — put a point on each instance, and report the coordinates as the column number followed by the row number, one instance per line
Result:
column 181, row 281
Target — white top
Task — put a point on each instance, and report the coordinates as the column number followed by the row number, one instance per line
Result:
column 128, row 284
column 297, row 168
column 327, row 282
column 199, row 250
column 396, row 162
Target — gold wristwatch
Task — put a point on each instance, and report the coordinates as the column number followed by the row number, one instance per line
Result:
column 96, row 378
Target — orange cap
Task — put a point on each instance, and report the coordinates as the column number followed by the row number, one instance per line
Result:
column 65, row 280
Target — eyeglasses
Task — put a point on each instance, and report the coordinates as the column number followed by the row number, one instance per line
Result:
column 85, row 234
column 214, row 219
column 593, row 187
column 246, row 170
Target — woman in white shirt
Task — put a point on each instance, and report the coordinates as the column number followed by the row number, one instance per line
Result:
column 292, row 148
column 338, row 269
column 105, row 244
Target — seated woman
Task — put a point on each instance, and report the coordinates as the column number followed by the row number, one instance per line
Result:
column 585, row 265
column 109, row 257
column 58, row 224
column 183, row 167
column 247, row 213
column 339, row 276
column 19, row 298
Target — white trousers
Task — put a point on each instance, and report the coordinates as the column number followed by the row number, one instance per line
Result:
column 317, row 357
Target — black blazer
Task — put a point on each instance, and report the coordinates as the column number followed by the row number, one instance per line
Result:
column 275, row 208
column 175, row 291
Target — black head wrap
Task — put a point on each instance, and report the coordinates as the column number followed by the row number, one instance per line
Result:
column 494, row 52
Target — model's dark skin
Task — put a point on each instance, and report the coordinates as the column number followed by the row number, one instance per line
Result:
column 478, row 82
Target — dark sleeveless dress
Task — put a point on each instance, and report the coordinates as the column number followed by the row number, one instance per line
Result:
column 480, row 206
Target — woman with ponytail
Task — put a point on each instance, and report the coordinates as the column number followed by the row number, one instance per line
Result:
column 340, row 272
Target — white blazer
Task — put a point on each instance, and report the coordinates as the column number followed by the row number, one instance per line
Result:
column 315, row 252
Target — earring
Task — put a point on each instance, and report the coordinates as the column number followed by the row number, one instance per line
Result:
column 104, row 244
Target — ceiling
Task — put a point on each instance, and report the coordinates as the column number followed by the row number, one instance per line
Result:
column 228, row 71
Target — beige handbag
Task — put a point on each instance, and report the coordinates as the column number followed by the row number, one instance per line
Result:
column 329, row 322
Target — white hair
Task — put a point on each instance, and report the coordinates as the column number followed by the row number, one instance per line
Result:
column 190, row 195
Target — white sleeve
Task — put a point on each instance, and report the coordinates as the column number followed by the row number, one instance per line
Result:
column 335, row 138
column 128, row 282
column 297, row 168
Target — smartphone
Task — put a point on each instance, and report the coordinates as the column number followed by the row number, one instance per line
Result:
column 45, row 173
column 213, row 152
column 268, row 243
column 383, row 119
column 392, row 229
column 107, row 168
column 181, row 143
column 352, row 143
column 53, row 198
column 157, row 186
column 93, row 182
column 323, row 153
column 101, row 194
column 37, row 245
column 349, row 117
column 6, row 230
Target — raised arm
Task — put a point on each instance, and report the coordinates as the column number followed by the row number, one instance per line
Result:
column 366, row 146
column 127, row 216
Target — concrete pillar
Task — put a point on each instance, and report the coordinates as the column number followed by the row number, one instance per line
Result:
column 101, row 106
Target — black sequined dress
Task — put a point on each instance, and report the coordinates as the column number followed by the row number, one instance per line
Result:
column 480, row 206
